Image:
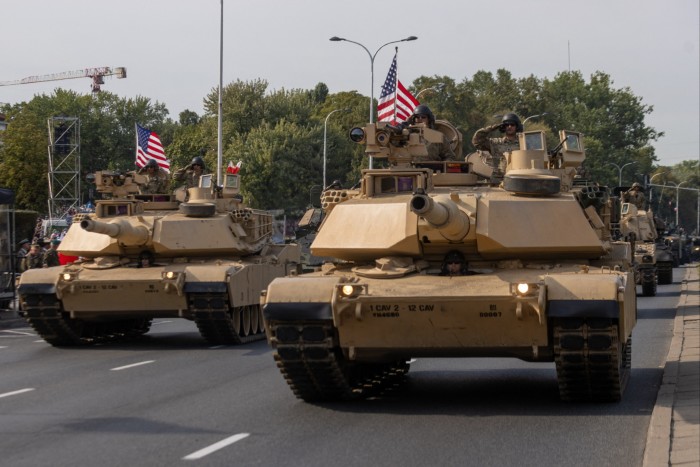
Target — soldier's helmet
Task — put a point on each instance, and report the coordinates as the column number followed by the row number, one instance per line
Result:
column 423, row 110
column 197, row 161
column 512, row 118
column 454, row 256
column 637, row 185
column 151, row 163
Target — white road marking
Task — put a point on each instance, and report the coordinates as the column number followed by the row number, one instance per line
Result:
column 146, row 362
column 20, row 391
column 413, row 360
column 218, row 347
column 215, row 447
column 19, row 332
column 3, row 346
column 42, row 341
column 156, row 323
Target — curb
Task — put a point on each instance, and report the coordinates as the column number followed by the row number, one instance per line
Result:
column 658, row 445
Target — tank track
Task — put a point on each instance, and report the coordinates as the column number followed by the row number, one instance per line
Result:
column 316, row 369
column 665, row 272
column 592, row 364
column 44, row 313
column 217, row 322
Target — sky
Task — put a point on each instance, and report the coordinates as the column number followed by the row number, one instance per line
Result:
column 171, row 48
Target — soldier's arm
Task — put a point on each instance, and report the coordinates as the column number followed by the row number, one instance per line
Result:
column 180, row 174
column 481, row 137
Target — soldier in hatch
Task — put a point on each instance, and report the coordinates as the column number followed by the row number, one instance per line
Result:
column 190, row 174
column 156, row 178
column 436, row 151
column 511, row 126
column 635, row 195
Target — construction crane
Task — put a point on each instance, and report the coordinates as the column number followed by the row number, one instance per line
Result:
column 97, row 75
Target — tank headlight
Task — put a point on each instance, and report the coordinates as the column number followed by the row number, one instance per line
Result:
column 170, row 275
column 349, row 290
column 524, row 289
column 647, row 259
column 67, row 276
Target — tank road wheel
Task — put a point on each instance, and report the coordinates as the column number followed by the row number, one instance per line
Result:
column 245, row 321
column 254, row 321
column 316, row 369
column 592, row 364
column 221, row 325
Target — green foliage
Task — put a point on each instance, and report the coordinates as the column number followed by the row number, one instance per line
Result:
column 279, row 134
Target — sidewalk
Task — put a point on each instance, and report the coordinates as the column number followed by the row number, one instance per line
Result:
column 674, row 431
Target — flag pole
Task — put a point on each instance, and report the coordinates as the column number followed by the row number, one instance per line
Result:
column 396, row 80
column 219, row 124
column 136, row 148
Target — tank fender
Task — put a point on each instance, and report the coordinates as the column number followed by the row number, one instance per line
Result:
column 300, row 299
column 39, row 281
column 209, row 279
column 584, row 295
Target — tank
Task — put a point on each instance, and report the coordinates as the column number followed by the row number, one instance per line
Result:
column 637, row 226
column 543, row 279
column 140, row 257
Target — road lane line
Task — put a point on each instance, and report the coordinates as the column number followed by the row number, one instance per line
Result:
column 215, row 447
column 20, row 391
column 3, row 346
column 19, row 332
column 146, row 362
column 156, row 323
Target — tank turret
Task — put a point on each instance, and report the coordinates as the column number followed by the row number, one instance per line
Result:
column 541, row 277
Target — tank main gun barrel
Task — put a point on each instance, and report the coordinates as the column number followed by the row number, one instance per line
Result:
column 442, row 214
column 120, row 229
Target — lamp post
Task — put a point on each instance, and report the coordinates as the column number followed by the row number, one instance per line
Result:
column 651, row 180
column 678, row 190
column 620, row 170
column 371, row 69
column 534, row 116
column 325, row 132
column 371, row 65
column 424, row 90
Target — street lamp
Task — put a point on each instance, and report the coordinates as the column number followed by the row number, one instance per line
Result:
column 678, row 189
column 424, row 90
column 325, row 131
column 371, row 66
column 651, row 180
column 620, row 170
column 534, row 116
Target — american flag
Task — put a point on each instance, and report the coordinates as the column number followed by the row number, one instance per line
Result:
column 396, row 103
column 149, row 147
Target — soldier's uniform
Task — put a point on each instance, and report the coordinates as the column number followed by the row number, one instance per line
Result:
column 32, row 261
column 155, row 184
column 635, row 196
column 496, row 146
column 438, row 152
column 51, row 258
column 188, row 176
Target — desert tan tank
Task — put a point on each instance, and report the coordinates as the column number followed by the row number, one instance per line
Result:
column 141, row 257
column 637, row 227
column 543, row 280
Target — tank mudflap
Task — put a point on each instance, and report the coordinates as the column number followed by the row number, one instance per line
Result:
column 665, row 272
column 316, row 369
column 592, row 364
column 221, row 325
column 43, row 312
